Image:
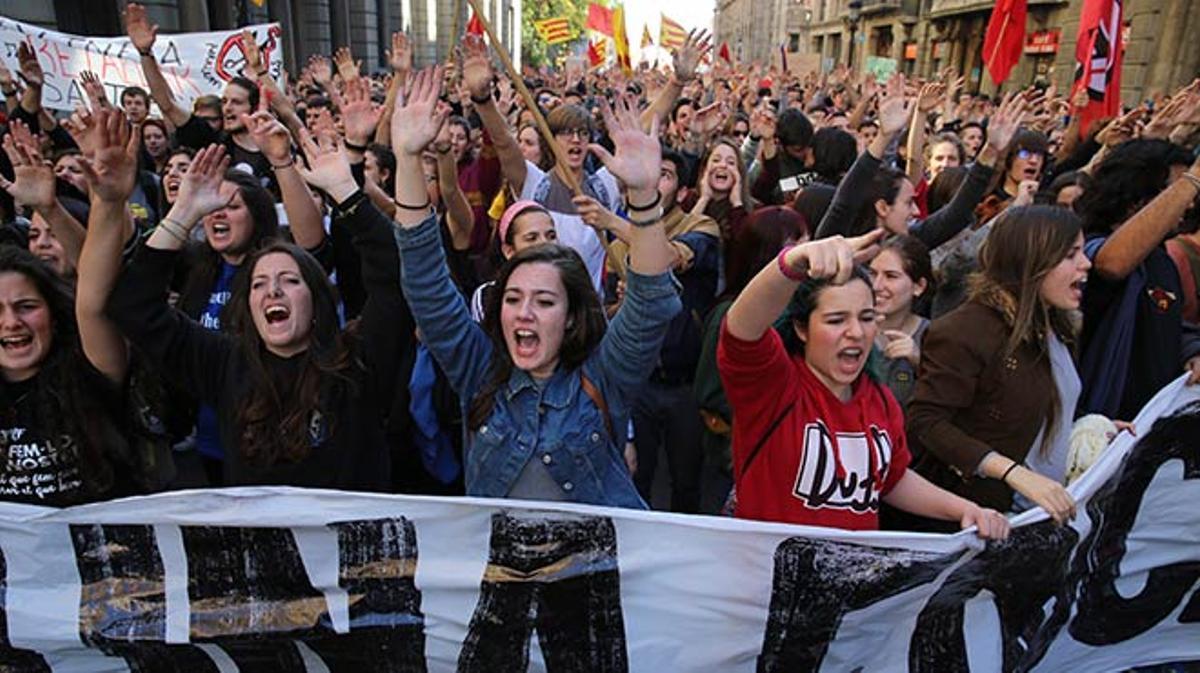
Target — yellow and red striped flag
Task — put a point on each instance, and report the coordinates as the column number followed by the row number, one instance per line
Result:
column 597, row 53
column 671, row 35
column 554, row 30
column 647, row 41
column 621, row 40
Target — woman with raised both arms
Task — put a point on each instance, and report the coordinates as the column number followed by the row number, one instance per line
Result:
column 544, row 382
column 298, row 401
column 815, row 441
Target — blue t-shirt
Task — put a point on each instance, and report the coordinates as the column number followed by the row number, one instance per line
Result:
column 208, row 436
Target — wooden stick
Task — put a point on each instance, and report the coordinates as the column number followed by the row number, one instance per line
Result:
column 454, row 33
column 560, row 158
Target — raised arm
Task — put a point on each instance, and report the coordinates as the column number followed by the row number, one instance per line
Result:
column 275, row 143
column 927, row 99
column 31, row 71
column 112, row 175
column 759, row 305
column 259, row 71
column 477, row 75
column 33, row 186
column 458, row 343
column 143, row 33
column 1134, row 240
column 400, row 58
column 459, row 216
column 686, row 59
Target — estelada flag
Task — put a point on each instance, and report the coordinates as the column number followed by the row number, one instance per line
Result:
column 599, row 19
column 621, row 40
column 475, row 25
column 554, row 30
column 597, row 53
column 1099, row 51
column 724, row 55
column 647, row 41
column 1005, row 38
column 671, row 35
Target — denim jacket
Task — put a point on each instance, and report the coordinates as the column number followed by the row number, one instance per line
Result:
column 557, row 423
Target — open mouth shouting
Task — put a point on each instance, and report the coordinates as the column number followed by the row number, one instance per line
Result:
column 526, row 343
column 17, row 345
column 851, row 360
column 720, row 178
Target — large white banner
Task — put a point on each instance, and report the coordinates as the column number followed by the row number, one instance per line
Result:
column 194, row 64
column 260, row 579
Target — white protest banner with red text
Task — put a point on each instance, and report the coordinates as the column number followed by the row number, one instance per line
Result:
column 194, row 64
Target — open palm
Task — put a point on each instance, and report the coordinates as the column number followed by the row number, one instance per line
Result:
column 638, row 158
column 416, row 123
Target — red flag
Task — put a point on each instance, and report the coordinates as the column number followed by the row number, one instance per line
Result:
column 724, row 53
column 475, row 26
column 597, row 51
column 599, row 19
column 1099, row 51
column 1005, row 38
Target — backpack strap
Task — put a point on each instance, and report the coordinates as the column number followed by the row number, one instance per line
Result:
column 594, row 393
column 766, row 435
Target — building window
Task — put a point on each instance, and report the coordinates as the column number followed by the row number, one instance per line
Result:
column 794, row 42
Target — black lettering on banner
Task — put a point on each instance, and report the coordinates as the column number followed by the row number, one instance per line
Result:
column 377, row 566
column 122, row 607
column 1103, row 615
column 1023, row 573
column 816, row 582
column 250, row 594
column 559, row 577
column 14, row 660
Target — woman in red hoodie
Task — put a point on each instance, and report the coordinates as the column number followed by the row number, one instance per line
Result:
column 814, row 440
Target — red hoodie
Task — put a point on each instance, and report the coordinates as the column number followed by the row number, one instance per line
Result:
column 828, row 462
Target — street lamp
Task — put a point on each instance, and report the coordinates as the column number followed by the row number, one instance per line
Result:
column 853, row 14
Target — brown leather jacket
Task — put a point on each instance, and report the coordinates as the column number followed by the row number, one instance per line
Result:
column 970, row 399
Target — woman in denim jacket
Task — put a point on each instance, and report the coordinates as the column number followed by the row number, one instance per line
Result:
column 543, row 382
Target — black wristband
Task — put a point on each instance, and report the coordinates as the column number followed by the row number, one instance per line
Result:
column 480, row 101
column 350, row 204
column 1004, row 477
column 641, row 209
column 405, row 206
column 148, row 52
column 351, row 146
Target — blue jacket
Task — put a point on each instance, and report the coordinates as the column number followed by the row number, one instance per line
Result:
column 557, row 423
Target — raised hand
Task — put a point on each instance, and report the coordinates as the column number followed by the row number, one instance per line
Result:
column 1117, row 131
column 929, row 97
column 347, row 67
column 476, row 69
column 688, row 57
column 112, row 170
column 708, row 119
column 94, row 90
column 762, row 123
column 321, row 70
column 199, row 193
column 270, row 135
column 400, row 55
column 360, row 115
column 141, row 32
column 33, row 183
column 416, row 123
column 833, row 257
column 894, row 107
column 29, row 66
column 328, row 165
column 639, row 156
column 1005, row 121
column 81, row 126
column 254, row 63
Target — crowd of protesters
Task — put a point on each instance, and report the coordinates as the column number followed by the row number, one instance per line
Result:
column 818, row 299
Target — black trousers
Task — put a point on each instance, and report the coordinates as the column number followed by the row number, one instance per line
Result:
column 559, row 577
column 667, row 416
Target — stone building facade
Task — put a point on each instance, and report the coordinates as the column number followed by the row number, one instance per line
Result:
column 924, row 36
column 309, row 26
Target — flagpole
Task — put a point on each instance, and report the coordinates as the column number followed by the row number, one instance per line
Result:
column 560, row 159
column 454, row 33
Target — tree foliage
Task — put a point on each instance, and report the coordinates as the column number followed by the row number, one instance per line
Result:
column 534, row 51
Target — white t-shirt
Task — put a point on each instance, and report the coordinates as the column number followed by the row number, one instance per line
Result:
column 571, row 230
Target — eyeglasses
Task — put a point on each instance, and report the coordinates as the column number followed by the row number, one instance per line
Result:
column 580, row 133
column 1026, row 155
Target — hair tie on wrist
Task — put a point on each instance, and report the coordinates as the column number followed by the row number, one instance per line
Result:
column 641, row 209
column 787, row 270
column 406, row 206
column 1004, row 477
column 351, row 146
column 291, row 162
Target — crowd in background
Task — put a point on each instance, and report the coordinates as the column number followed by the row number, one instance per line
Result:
column 812, row 298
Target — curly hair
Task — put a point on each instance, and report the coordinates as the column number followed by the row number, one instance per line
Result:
column 1127, row 179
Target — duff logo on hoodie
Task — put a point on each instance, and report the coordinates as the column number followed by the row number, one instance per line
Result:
column 845, row 470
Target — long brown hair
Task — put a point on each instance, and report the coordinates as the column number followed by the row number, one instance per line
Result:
column 585, row 324
column 1025, row 244
column 274, row 424
column 747, row 202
